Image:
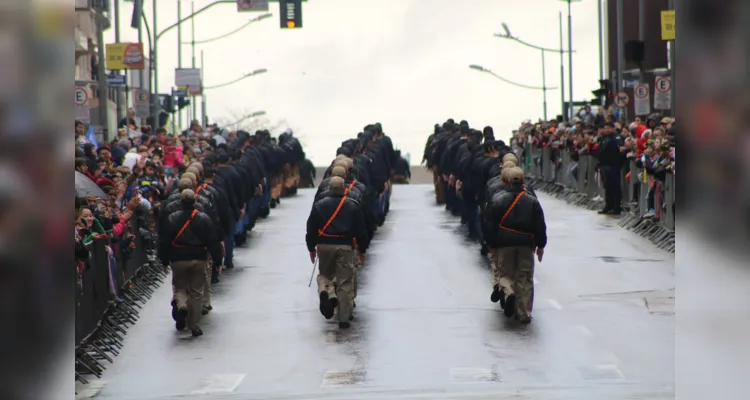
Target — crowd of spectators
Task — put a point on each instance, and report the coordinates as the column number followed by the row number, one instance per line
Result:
column 138, row 169
column 649, row 143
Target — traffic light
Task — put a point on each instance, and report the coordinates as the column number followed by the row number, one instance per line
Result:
column 167, row 103
column 182, row 102
column 604, row 91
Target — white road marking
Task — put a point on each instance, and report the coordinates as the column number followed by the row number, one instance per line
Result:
column 89, row 390
column 555, row 304
column 221, row 383
column 472, row 375
column 585, row 331
column 611, row 368
column 336, row 379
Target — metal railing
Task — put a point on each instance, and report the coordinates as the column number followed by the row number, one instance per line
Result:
column 109, row 293
column 648, row 202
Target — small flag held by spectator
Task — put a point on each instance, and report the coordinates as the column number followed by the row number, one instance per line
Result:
column 91, row 137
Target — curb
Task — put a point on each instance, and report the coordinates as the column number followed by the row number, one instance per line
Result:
column 648, row 228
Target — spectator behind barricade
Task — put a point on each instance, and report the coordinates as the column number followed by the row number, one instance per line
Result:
column 80, row 131
column 172, row 155
column 82, row 167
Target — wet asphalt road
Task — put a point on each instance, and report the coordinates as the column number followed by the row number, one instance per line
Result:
column 425, row 328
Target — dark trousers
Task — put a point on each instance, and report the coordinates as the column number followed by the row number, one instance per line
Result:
column 612, row 188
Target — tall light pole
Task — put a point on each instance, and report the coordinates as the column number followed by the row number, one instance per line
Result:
column 542, row 88
column 157, row 36
column 570, row 57
column 508, row 35
column 179, row 50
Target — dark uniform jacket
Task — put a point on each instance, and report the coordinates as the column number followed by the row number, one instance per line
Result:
column 514, row 218
column 326, row 226
column 188, row 234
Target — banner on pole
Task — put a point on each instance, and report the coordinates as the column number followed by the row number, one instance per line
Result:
column 125, row 56
column 189, row 78
column 252, row 5
column 662, row 93
column 668, row 25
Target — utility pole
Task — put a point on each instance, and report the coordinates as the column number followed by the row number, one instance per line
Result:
column 641, row 36
column 562, row 72
column 118, row 90
column 672, row 61
column 179, row 47
column 544, row 86
column 620, row 50
column 155, row 89
column 101, row 71
column 570, row 59
column 141, row 77
column 601, row 39
column 192, row 40
column 203, row 94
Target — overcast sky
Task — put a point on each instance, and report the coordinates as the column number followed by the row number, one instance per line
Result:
column 403, row 63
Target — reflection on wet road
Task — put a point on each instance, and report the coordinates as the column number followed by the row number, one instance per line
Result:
column 425, row 327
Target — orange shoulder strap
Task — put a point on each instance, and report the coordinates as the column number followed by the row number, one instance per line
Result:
column 322, row 232
column 512, row 205
column 182, row 230
column 350, row 187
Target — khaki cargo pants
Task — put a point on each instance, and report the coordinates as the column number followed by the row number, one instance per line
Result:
column 335, row 263
column 189, row 281
column 439, row 192
column 513, row 271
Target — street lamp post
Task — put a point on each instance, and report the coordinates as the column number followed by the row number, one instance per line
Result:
column 570, row 57
column 508, row 35
column 543, row 88
column 155, row 54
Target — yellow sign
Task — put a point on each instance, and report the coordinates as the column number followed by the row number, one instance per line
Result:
column 290, row 24
column 667, row 25
column 125, row 56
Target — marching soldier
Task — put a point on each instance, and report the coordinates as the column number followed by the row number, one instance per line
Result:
column 515, row 231
column 335, row 227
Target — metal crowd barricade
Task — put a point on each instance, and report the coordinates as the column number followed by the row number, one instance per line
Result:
column 556, row 176
column 110, row 293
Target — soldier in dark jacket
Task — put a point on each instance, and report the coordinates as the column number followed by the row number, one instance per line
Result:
column 514, row 229
column 189, row 237
column 334, row 228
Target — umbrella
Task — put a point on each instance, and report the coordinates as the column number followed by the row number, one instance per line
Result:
column 85, row 187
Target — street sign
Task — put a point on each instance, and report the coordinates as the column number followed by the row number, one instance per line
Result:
column 621, row 100
column 663, row 93
column 81, row 102
column 116, row 80
column 668, row 25
column 141, row 103
column 642, row 104
column 290, row 14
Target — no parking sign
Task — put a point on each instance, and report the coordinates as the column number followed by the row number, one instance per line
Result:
column 141, row 103
column 663, row 93
column 642, row 106
column 81, row 102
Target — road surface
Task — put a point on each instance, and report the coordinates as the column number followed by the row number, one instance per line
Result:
column 425, row 327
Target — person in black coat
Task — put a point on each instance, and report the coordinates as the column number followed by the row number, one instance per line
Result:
column 188, row 239
column 514, row 229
